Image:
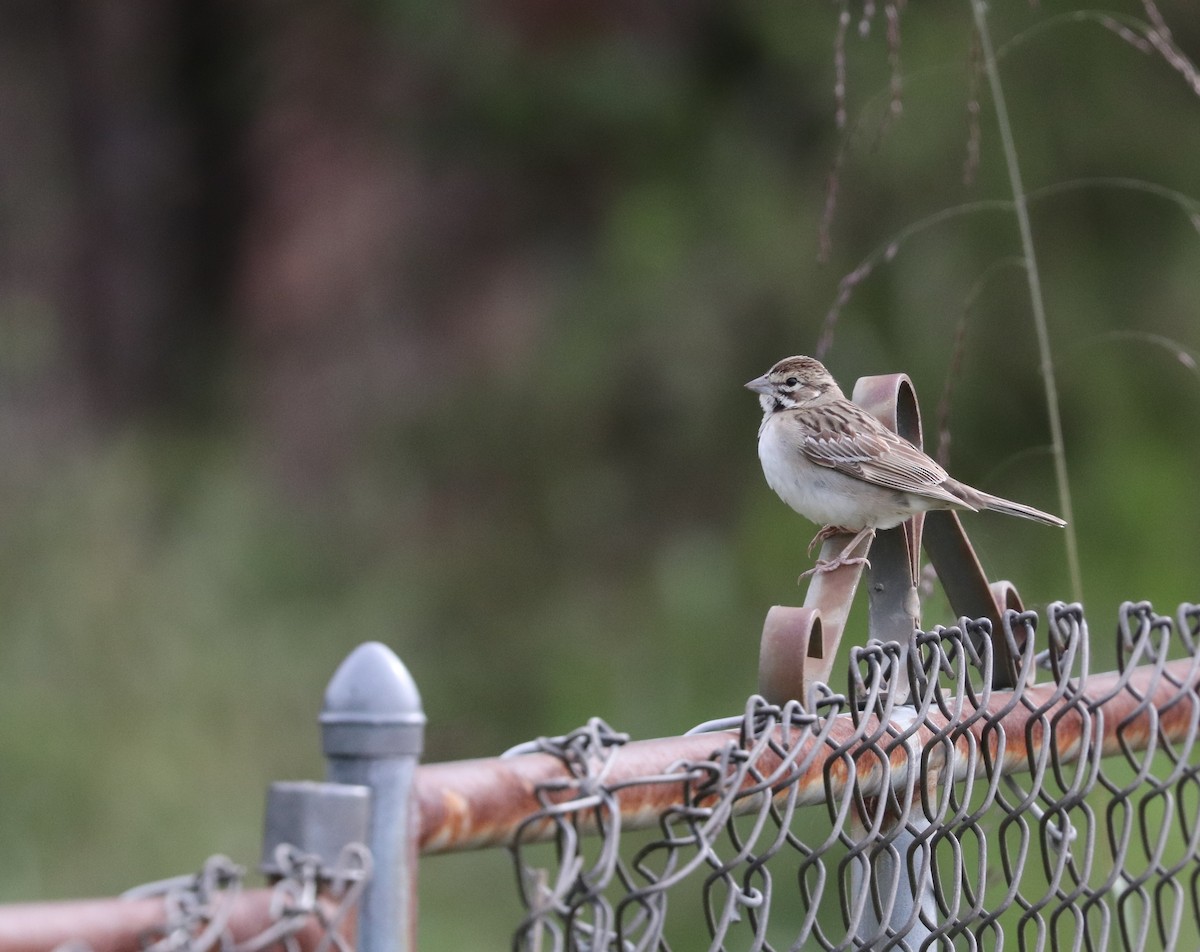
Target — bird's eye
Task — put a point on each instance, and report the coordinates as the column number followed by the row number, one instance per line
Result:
column 791, row 381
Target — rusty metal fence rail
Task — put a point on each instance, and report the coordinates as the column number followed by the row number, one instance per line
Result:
column 919, row 809
column 307, row 909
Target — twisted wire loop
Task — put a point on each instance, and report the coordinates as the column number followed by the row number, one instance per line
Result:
column 297, row 899
column 926, row 807
column 198, row 910
column 576, row 895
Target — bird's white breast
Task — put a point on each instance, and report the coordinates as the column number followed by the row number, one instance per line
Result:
column 819, row 493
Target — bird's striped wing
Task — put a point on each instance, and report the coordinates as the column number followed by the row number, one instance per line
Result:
column 846, row 438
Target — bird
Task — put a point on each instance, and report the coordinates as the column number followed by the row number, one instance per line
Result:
column 838, row 466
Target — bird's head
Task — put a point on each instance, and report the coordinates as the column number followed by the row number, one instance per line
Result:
column 794, row 382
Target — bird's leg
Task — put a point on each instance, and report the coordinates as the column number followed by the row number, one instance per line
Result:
column 826, row 533
column 843, row 557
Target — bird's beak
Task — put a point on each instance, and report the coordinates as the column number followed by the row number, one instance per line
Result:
column 760, row 385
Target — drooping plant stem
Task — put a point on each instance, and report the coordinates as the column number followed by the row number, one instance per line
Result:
column 979, row 8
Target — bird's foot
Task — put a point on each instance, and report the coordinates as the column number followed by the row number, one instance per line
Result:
column 829, row 565
column 842, row 558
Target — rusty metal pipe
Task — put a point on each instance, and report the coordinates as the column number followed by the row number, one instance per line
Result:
column 121, row 925
column 473, row 804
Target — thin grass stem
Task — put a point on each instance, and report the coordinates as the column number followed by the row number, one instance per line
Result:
column 1037, row 302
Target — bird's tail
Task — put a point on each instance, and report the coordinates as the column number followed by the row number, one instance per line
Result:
column 1010, row 508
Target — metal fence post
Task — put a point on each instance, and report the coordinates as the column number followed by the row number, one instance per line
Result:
column 907, row 893
column 372, row 733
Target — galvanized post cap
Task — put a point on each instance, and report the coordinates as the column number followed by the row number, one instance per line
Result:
column 372, row 707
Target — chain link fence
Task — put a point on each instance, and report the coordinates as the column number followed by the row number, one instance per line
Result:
column 198, row 910
column 922, row 808
column 976, row 787
column 309, row 908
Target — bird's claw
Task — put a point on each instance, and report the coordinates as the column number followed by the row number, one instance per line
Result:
column 824, row 535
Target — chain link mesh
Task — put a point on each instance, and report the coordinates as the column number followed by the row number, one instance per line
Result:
column 923, row 808
column 198, row 909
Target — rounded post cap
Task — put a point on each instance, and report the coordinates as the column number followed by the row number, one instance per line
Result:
column 372, row 707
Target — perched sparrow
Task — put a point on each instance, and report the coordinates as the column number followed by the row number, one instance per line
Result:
column 835, row 464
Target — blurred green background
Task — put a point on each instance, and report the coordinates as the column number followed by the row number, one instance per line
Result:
column 427, row 322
